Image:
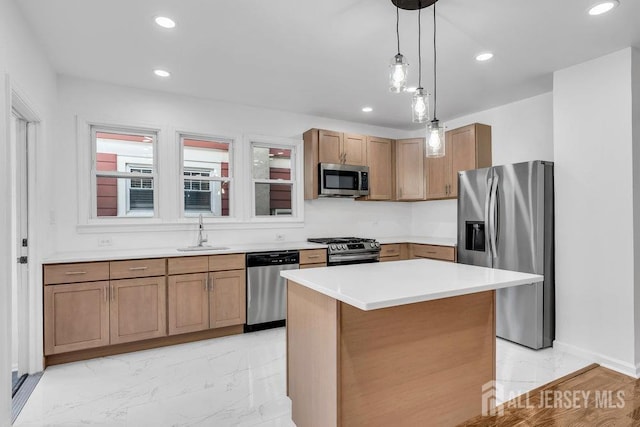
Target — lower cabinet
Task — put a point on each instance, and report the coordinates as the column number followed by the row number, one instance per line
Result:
column 227, row 298
column 188, row 303
column 202, row 301
column 138, row 309
column 443, row 253
column 76, row 317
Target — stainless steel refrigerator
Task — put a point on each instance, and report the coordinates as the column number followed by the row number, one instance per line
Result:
column 505, row 221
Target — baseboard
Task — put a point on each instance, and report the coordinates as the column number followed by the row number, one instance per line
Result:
column 606, row 361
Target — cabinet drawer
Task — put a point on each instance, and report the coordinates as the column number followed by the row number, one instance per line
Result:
column 313, row 256
column 226, row 262
column 75, row 273
column 137, row 268
column 320, row 264
column 390, row 250
column 445, row 253
column 189, row 264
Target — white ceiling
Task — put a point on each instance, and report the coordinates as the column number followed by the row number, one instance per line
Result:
column 329, row 57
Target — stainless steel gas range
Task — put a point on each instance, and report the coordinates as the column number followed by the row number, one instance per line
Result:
column 350, row 250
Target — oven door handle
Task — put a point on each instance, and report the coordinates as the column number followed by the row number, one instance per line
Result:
column 338, row 258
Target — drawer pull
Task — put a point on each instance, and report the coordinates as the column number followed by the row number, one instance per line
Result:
column 74, row 273
column 431, row 252
column 138, row 268
column 313, row 256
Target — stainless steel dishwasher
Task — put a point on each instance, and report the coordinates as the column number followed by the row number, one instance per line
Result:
column 266, row 290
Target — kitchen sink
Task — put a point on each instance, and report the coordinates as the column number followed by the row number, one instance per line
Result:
column 203, row 248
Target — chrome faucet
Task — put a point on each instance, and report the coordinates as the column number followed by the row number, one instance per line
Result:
column 201, row 238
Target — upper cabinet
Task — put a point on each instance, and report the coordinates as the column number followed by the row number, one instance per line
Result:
column 341, row 148
column 468, row 147
column 325, row 146
column 399, row 170
column 410, row 183
column 380, row 156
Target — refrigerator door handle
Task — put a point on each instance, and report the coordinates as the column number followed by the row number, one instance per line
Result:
column 487, row 212
column 493, row 217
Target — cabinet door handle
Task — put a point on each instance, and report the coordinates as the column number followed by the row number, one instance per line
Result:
column 138, row 268
column 74, row 273
column 206, row 284
column 106, row 294
column 113, row 293
column 211, row 285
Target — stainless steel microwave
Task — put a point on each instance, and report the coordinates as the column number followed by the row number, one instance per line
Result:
column 343, row 180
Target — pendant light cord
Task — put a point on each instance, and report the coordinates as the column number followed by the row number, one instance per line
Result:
column 435, row 87
column 398, row 27
column 419, row 49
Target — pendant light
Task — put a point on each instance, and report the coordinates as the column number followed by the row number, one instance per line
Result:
column 420, row 101
column 399, row 67
column 435, row 141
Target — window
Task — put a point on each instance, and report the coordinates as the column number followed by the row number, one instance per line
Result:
column 273, row 176
column 124, row 172
column 207, row 176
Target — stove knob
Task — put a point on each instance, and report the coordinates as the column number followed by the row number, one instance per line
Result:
column 332, row 247
column 373, row 245
column 377, row 244
column 343, row 246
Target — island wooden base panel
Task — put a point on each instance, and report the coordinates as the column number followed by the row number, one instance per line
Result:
column 613, row 400
column 56, row 359
column 396, row 366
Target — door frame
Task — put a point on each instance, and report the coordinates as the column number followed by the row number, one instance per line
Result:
column 30, row 305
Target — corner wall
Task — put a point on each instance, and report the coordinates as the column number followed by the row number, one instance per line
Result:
column 595, row 197
column 521, row 131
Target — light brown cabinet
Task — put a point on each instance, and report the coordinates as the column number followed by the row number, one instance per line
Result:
column 468, row 147
column 227, row 298
column 188, row 303
column 394, row 252
column 341, row 148
column 212, row 293
column 410, row 182
column 76, row 316
column 138, row 309
column 312, row 258
column 380, row 155
column 443, row 253
column 325, row 146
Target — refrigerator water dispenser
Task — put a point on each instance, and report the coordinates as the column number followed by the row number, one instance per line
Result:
column 474, row 236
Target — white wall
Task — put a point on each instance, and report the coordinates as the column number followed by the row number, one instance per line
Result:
column 594, row 169
column 24, row 68
column 108, row 103
column 521, row 131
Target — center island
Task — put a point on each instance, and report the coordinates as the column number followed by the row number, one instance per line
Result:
column 397, row 343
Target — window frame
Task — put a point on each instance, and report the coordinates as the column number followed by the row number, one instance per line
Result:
column 94, row 129
column 234, row 211
column 296, row 180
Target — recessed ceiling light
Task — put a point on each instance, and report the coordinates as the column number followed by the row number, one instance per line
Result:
column 411, row 89
column 165, row 22
column 367, row 109
column 603, row 7
column 484, row 56
column 161, row 73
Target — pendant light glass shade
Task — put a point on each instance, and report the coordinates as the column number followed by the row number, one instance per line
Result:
column 435, row 139
column 420, row 106
column 398, row 74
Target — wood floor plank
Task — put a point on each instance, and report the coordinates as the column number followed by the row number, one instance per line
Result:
column 592, row 396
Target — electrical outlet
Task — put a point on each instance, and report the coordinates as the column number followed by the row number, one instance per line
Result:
column 105, row 241
column 279, row 237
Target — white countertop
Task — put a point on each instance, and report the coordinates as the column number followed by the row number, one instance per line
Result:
column 421, row 240
column 389, row 284
column 118, row 254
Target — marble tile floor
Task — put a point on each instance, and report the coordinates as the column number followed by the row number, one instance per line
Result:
column 231, row 381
